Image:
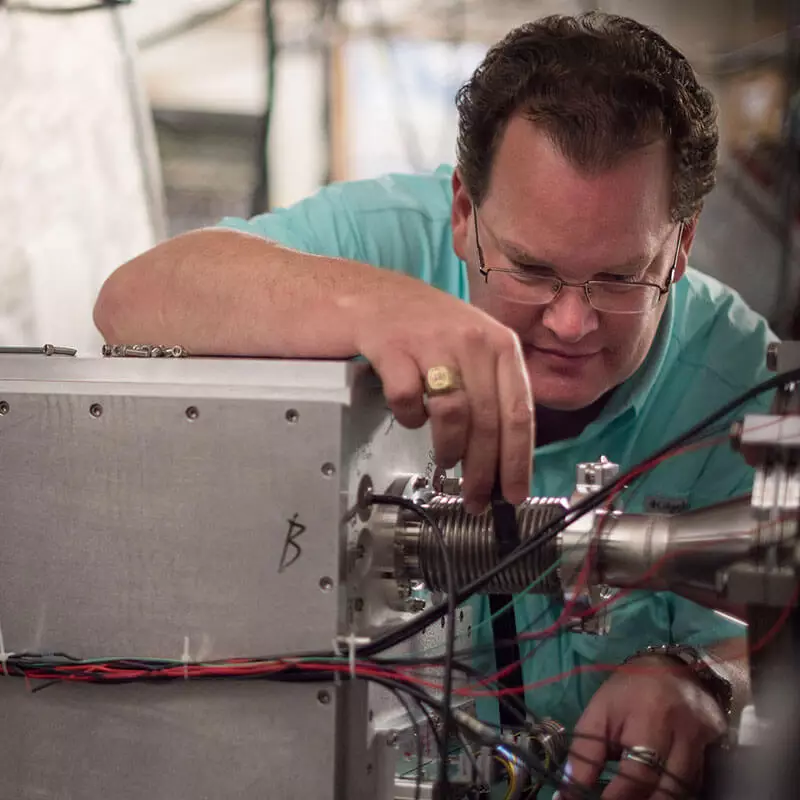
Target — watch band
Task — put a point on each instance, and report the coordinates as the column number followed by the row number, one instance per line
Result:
column 706, row 668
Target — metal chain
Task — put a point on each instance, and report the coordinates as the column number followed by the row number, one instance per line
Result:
column 144, row 351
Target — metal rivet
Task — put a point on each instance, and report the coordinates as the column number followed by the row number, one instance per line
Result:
column 96, row 410
column 192, row 412
column 735, row 433
column 4, row 408
column 324, row 696
column 325, row 583
column 328, row 469
column 292, row 416
column 772, row 356
column 363, row 497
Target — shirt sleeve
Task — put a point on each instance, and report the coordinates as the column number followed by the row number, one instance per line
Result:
column 318, row 225
column 399, row 223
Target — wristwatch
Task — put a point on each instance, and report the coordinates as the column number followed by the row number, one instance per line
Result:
column 708, row 670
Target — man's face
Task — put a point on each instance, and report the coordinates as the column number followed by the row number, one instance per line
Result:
column 543, row 214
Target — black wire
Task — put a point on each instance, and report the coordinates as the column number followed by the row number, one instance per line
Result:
column 32, row 8
column 420, row 696
column 548, row 532
column 451, row 605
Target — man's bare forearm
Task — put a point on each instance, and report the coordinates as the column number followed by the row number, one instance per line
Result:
column 229, row 293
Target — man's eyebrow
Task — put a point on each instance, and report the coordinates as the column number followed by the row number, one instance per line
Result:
column 520, row 256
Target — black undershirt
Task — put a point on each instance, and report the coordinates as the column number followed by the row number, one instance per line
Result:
column 551, row 426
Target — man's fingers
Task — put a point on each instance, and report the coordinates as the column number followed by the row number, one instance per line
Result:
column 448, row 412
column 586, row 761
column 683, row 772
column 637, row 779
column 449, row 415
column 483, row 443
column 402, row 388
column 516, row 423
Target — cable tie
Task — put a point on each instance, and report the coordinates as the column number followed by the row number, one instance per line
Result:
column 185, row 658
column 3, row 655
column 337, row 651
column 352, row 641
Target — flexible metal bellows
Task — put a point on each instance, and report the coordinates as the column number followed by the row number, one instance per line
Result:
column 471, row 546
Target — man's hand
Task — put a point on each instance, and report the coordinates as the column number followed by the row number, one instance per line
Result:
column 406, row 328
column 652, row 702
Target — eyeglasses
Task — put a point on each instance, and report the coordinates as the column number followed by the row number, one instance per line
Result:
column 610, row 297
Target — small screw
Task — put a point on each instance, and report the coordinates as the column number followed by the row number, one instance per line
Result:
column 461, row 615
column 737, row 429
column 772, row 356
column 325, row 583
column 324, row 696
column 358, row 604
column 96, row 410
column 192, row 412
column 420, row 482
column 328, row 469
column 292, row 416
column 4, row 408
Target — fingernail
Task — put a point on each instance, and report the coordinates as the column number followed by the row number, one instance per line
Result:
column 557, row 796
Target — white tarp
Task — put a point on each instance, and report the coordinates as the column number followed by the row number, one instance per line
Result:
column 79, row 179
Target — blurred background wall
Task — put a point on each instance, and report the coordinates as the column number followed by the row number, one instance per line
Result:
column 122, row 124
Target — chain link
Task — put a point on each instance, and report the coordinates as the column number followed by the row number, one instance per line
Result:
column 144, row 351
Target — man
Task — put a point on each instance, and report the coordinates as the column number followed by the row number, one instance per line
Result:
column 586, row 147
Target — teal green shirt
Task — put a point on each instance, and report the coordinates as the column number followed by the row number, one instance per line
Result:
column 710, row 347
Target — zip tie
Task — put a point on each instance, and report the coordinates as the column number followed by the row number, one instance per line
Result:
column 185, row 658
column 352, row 641
column 337, row 678
column 3, row 655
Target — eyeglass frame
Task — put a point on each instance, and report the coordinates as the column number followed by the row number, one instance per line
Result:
column 484, row 271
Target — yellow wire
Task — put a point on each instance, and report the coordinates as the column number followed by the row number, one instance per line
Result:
column 512, row 780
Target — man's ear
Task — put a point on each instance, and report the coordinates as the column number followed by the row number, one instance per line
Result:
column 461, row 217
column 687, row 238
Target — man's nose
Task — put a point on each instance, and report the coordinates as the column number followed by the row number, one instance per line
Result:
column 569, row 316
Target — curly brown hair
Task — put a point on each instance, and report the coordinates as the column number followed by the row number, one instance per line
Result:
column 601, row 86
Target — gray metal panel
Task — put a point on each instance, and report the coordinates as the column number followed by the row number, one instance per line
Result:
column 173, row 742
column 124, row 532
column 215, row 377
